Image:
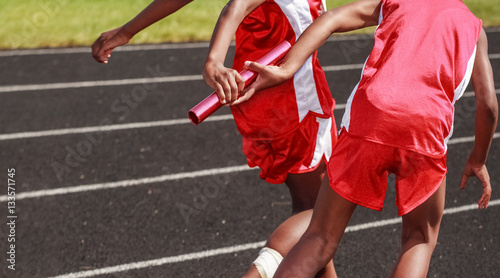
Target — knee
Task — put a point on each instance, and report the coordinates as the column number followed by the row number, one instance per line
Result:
column 325, row 244
column 320, row 251
column 420, row 235
column 289, row 232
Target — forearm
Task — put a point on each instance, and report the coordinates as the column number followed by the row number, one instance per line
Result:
column 345, row 18
column 223, row 34
column 230, row 18
column 156, row 11
column 486, row 122
column 486, row 102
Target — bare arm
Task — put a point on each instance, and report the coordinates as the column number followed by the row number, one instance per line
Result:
column 157, row 10
column 486, row 120
column 226, row 82
column 355, row 15
column 352, row 16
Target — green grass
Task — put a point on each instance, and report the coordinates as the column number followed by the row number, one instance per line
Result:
column 56, row 23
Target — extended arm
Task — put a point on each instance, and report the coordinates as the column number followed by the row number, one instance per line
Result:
column 157, row 10
column 226, row 82
column 486, row 120
column 352, row 16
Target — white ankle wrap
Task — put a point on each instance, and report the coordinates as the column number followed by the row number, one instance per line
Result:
column 267, row 262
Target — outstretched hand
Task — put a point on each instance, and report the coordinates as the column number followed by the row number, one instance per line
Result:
column 106, row 43
column 482, row 174
column 267, row 76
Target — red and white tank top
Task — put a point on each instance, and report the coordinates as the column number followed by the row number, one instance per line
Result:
column 277, row 111
column 420, row 65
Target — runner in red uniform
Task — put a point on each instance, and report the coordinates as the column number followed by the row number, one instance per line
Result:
column 288, row 131
column 397, row 120
column 408, row 89
column 285, row 128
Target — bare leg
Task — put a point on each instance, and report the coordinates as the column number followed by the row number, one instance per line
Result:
column 285, row 236
column 304, row 190
column 319, row 243
column 419, row 236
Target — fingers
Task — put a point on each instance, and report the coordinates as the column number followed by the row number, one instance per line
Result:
column 249, row 91
column 246, row 95
column 106, row 43
column 483, row 201
column 220, row 92
column 482, row 174
column 227, row 83
column 230, row 84
column 99, row 51
column 463, row 183
column 241, row 82
column 485, row 197
column 485, row 181
column 254, row 66
column 96, row 50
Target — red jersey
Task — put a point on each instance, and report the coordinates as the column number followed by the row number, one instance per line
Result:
column 420, row 65
column 277, row 111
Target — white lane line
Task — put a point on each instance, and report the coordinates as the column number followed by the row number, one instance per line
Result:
column 101, row 83
column 166, row 260
column 132, row 81
column 454, row 141
column 135, row 81
column 178, row 176
column 148, row 47
column 343, row 67
column 397, row 220
column 127, row 183
column 83, row 50
column 241, row 247
column 106, row 128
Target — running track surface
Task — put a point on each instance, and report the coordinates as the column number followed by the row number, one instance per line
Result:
column 113, row 181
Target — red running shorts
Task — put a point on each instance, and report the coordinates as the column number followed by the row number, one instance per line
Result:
column 358, row 171
column 298, row 152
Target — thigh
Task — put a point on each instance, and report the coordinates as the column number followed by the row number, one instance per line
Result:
column 426, row 218
column 418, row 177
column 304, row 188
column 331, row 215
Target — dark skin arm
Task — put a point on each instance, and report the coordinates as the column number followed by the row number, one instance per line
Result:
column 225, row 81
column 108, row 41
column 486, row 120
column 352, row 16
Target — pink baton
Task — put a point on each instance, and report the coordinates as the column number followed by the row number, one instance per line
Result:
column 211, row 104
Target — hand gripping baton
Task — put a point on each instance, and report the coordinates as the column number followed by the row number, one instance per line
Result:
column 211, row 104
